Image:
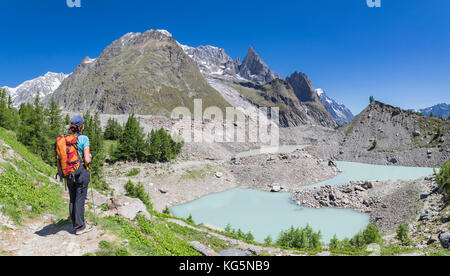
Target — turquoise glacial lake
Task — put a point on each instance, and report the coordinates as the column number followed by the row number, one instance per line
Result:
column 265, row 213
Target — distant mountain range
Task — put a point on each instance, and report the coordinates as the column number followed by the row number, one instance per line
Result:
column 152, row 73
column 442, row 109
column 26, row 92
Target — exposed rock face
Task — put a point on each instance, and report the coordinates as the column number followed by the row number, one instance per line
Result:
column 253, row 68
column 277, row 93
column 27, row 91
column 305, row 92
column 303, row 87
column 212, row 60
column 405, row 136
column 340, row 112
column 144, row 73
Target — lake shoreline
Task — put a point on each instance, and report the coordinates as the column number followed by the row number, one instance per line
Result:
column 388, row 203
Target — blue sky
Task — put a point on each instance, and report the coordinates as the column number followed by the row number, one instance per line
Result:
column 399, row 53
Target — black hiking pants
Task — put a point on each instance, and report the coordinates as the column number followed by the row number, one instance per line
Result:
column 78, row 184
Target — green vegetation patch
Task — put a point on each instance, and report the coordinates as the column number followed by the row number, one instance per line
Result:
column 443, row 178
column 21, row 196
column 10, row 138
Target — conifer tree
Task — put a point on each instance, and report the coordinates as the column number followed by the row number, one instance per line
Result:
column 113, row 130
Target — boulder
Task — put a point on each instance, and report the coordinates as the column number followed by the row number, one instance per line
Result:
column 99, row 199
column 276, row 189
column 235, row 253
column 444, row 238
column 219, row 174
column 130, row 207
column 393, row 160
column 347, row 190
column 416, row 133
column 202, row 249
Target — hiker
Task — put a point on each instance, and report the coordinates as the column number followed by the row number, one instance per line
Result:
column 73, row 157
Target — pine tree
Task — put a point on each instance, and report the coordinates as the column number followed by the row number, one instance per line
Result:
column 113, row 130
column 166, row 152
column 9, row 117
column 94, row 132
column 131, row 142
column 54, row 120
column 67, row 120
column 334, row 242
column 268, row 240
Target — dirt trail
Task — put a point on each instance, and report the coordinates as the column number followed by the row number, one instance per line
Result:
column 43, row 238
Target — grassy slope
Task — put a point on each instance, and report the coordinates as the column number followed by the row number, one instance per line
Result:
column 26, row 187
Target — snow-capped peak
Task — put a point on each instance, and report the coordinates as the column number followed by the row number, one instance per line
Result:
column 165, row 32
column 319, row 91
column 27, row 91
column 340, row 112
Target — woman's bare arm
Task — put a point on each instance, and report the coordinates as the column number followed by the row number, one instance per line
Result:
column 87, row 155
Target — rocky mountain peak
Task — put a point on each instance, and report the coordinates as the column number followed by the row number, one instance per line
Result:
column 303, row 87
column 145, row 73
column 340, row 112
column 255, row 69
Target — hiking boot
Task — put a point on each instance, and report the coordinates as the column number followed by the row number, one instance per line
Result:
column 84, row 231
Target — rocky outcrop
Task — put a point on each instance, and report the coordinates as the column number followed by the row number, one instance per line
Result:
column 402, row 138
column 306, row 93
column 253, row 68
column 143, row 73
column 129, row 207
column 212, row 60
column 389, row 203
column 202, row 249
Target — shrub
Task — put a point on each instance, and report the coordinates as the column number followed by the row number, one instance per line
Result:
column 166, row 211
column 138, row 191
column 403, row 234
column 268, row 240
column 443, row 179
column 133, row 172
column 190, row 219
column 369, row 235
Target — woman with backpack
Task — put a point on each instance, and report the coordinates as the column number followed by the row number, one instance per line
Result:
column 78, row 181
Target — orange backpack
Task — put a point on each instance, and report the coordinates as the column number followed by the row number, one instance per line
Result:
column 68, row 160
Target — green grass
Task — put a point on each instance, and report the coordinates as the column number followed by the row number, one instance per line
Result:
column 204, row 238
column 10, row 138
column 133, row 172
column 17, row 192
column 146, row 238
column 195, row 174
